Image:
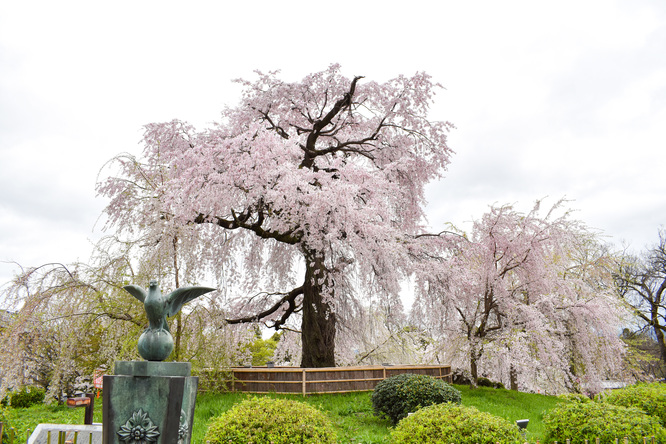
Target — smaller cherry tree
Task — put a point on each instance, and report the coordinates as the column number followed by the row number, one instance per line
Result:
column 526, row 299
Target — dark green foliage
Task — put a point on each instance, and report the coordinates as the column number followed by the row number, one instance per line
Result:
column 399, row 395
column 580, row 421
column 651, row 398
column 450, row 423
column 485, row 382
column 25, row 397
column 271, row 421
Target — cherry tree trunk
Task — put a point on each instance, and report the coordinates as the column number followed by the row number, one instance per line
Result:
column 474, row 356
column 513, row 375
column 318, row 326
column 178, row 336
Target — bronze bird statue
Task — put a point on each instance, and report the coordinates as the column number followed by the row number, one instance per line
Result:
column 156, row 342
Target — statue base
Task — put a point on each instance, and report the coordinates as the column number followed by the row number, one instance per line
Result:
column 147, row 401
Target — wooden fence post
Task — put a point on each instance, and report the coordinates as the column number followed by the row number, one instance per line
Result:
column 304, row 378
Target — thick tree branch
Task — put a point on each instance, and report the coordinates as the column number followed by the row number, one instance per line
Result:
column 244, row 220
column 319, row 125
column 273, row 126
column 289, row 299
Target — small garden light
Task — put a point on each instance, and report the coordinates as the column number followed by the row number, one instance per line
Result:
column 522, row 423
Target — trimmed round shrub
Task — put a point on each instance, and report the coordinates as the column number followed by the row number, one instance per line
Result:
column 399, row 395
column 651, row 398
column 271, row 421
column 580, row 421
column 445, row 423
column 26, row 397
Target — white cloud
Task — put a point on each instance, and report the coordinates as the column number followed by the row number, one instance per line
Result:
column 550, row 98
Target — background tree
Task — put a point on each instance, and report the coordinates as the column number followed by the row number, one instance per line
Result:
column 642, row 283
column 643, row 358
column 63, row 328
column 302, row 195
column 525, row 299
column 70, row 320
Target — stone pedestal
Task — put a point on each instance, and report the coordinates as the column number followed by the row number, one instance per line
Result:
column 149, row 402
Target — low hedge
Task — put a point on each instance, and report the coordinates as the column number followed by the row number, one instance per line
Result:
column 271, row 421
column 651, row 398
column 580, row 421
column 451, row 423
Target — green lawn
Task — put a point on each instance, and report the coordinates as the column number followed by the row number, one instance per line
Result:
column 355, row 422
column 22, row 420
column 351, row 413
column 512, row 406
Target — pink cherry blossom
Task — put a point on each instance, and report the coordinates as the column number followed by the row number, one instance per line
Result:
column 298, row 200
column 526, row 299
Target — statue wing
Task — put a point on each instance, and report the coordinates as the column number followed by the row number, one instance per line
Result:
column 136, row 291
column 177, row 298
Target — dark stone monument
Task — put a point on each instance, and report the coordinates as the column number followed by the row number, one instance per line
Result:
column 152, row 401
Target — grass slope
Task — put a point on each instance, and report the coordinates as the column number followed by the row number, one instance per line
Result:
column 511, row 405
column 351, row 414
column 355, row 422
column 25, row 419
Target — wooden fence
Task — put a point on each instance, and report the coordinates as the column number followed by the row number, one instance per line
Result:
column 324, row 380
column 56, row 434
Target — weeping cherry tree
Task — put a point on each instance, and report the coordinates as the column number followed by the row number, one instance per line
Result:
column 303, row 195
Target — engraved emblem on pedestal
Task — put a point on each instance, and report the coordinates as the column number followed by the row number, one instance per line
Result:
column 139, row 429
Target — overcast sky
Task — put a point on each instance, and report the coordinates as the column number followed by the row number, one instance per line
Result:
column 550, row 99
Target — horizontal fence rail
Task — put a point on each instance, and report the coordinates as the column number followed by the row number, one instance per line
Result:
column 322, row 380
column 54, row 434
